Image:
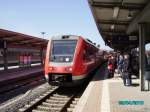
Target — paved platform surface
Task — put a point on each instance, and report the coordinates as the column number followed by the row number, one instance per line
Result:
column 105, row 95
column 18, row 72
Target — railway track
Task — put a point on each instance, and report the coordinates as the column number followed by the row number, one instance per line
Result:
column 58, row 99
column 22, row 82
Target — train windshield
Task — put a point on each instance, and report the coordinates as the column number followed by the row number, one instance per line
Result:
column 63, row 50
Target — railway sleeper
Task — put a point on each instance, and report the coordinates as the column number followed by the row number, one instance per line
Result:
column 58, row 98
column 42, row 108
column 55, row 101
column 76, row 99
column 57, row 95
column 37, row 110
column 74, row 102
column 72, row 105
column 70, row 109
column 50, row 104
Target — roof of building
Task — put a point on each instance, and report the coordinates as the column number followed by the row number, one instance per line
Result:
column 19, row 39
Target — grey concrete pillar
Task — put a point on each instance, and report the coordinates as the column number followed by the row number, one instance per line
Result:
column 5, row 56
column 142, row 33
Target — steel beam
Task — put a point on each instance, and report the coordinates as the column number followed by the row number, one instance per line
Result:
column 20, row 40
column 107, row 31
column 100, row 21
column 8, row 36
column 133, row 6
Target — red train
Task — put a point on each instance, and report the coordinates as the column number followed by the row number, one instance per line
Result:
column 70, row 59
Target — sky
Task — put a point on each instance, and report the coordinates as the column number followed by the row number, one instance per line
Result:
column 55, row 17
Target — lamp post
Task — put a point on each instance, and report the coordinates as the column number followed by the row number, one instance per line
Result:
column 43, row 33
column 41, row 51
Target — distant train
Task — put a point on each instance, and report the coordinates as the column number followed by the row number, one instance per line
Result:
column 70, row 59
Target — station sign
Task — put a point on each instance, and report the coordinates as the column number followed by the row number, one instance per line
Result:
column 124, row 39
column 133, row 38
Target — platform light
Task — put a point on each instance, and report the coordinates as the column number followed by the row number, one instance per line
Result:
column 116, row 12
column 129, row 15
column 112, row 27
column 43, row 33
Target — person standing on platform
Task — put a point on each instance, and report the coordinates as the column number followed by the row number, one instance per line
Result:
column 120, row 64
column 148, row 58
column 126, row 76
column 110, row 66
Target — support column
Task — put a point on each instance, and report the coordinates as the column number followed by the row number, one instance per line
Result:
column 41, row 55
column 142, row 33
column 5, row 56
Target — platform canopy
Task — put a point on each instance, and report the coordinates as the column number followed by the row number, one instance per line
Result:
column 19, row 39
column 117, row 21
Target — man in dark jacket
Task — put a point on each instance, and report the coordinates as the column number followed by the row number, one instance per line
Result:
column 126, row 76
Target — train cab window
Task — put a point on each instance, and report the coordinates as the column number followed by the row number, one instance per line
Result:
column 63, row 50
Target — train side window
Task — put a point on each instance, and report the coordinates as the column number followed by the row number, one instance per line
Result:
column 84, row 55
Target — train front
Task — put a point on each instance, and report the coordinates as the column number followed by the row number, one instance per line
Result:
column 59, row 63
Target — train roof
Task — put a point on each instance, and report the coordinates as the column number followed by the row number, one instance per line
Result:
column 65, row 37
column 74, row 37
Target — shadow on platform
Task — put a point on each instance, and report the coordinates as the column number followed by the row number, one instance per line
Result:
column 101, row 73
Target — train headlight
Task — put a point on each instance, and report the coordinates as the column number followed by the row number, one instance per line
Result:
column 69, row 69
column 50, row 68
column 67, row 59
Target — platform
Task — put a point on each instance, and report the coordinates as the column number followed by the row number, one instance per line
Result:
column 110, row 95
column 17, row 73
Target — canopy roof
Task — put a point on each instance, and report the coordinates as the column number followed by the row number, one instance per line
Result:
column 119, row 19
